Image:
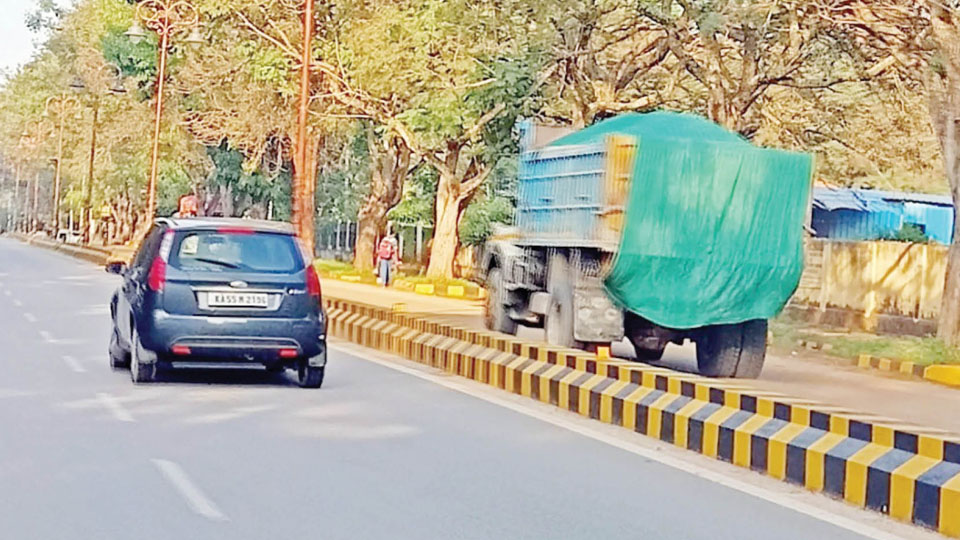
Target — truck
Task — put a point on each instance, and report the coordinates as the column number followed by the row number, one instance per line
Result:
column 658, row 227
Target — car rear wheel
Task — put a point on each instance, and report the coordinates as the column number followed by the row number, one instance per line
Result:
column 143, row 363
column 310, row 376
column 118, row 357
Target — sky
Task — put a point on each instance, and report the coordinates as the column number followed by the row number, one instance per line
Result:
column 17, row 39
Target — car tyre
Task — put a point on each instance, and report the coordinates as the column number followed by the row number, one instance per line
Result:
column 310, row 376
column 118, row 357
column 142, row 370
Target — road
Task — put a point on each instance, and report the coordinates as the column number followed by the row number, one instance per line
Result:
column 380, row 452
column 801, row 374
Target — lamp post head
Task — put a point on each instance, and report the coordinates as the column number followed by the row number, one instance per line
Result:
column 136, row 33
column 196, row 38
column 77, row 84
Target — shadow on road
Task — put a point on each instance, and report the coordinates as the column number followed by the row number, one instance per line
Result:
column 225, row 377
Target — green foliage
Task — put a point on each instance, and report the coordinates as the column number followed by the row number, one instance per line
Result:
column 480, row 218
column 418, row 200
column 268, row 66
column 137, row 61
column 911, row 233
column 248, row 189
column 176, row 183
column 342, row 185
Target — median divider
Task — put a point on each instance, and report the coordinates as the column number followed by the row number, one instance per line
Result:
column 906, row 471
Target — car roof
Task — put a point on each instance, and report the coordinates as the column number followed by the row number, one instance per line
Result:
column 203, row 223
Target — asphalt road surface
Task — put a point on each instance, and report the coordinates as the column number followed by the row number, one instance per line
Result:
column 377, row 453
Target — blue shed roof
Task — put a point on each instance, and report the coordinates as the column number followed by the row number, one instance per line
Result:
column 924, row 198
column 830, row 199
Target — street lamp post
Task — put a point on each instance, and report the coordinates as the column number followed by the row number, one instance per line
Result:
column 30, row 140
column 166, row 18
column 107, row 83
column 59, row 106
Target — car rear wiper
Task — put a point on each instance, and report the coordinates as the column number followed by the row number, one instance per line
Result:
column 217, row 262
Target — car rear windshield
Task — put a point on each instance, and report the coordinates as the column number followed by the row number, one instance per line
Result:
column 216, row 251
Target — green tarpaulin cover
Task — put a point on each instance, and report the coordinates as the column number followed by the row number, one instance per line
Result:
column 713, row 231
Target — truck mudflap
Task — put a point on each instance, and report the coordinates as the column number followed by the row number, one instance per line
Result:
column 599, row 320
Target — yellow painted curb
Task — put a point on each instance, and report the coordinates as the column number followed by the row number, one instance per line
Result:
column 456, row 291
column 948, row 375
column 352, row 279
column 425, row 288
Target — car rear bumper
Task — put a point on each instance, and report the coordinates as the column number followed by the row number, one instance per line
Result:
column 252, row 339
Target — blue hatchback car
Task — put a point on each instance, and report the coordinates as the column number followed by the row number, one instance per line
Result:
column 219, row 292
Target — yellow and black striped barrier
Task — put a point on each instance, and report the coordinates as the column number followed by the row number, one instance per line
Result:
column 905, row 471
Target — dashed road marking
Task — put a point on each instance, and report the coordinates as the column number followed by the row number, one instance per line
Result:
column 17, row 303
column 29, row 317
column 74, row 364
column 7, row 292
column 195, row 498
column 116, row 409
column 46, row 336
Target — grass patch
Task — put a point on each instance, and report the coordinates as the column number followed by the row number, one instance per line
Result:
column 925, row 351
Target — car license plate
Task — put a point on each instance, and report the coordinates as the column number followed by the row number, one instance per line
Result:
column 237, row 300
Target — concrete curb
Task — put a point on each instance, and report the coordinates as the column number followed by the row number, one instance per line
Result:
column 906, row 471
column 458, row 292
column 948, row 375
column 93, row 255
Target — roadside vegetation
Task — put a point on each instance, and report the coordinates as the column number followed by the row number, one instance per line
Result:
column 788, row 333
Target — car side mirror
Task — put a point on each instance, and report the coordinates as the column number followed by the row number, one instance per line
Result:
column 116, row 268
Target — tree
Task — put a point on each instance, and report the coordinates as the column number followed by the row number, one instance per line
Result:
column 943, row 84
column 390, row 163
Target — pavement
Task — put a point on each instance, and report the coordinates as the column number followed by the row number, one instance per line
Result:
column 384, row 450
column 800, row 374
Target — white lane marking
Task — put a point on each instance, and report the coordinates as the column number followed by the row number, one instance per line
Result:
column 111, row 404
column 73, row 364
column 29, row 317
column 779, row 499
column 195, row 498
column 7, row 292
column 94, row 310
column 17, row 303
column 46, row 336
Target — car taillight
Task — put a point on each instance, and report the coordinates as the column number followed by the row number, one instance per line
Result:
column 158, row 270
column 158, row 275
column 313, row 282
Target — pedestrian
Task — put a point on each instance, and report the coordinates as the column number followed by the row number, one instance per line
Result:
column 387, row 258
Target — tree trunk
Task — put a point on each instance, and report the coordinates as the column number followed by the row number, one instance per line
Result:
column 389, row 170
column 944, row 106
column 446, row 237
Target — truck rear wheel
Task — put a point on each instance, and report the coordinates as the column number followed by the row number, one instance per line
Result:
column 733, row 350
column 495, row 314
column 560, row 316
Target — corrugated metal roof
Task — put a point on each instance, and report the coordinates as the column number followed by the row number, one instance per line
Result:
column 901, row 196
column 849, row 199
